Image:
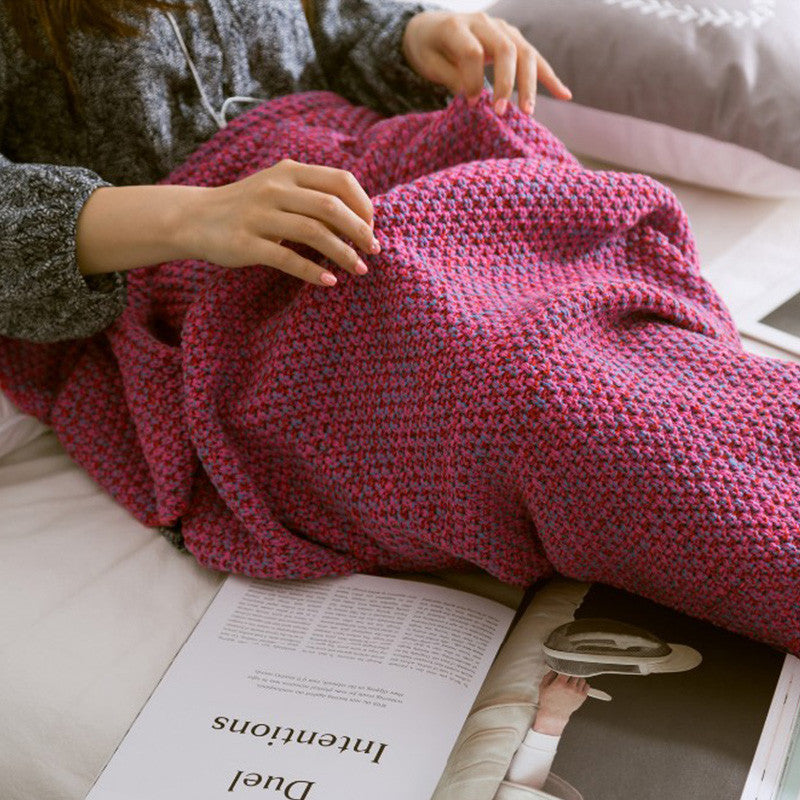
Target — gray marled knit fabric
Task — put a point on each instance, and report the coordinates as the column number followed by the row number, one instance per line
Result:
column 143, row 116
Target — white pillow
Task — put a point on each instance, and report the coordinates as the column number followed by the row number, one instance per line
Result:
column 704, row 92
column 16, row 428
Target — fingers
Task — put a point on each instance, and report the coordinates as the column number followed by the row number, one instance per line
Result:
column 313, row 232
column 318, row 206
column 527, row 72
column 276, row 255
column 532, row 68
column 579, row 684
column 576, row 684
column 466, row 52
column 332, row 211
column 470, row 41
column 551, row 81
column 338, row 182
column 548, row 678
column 443, row 71
column 501, row 50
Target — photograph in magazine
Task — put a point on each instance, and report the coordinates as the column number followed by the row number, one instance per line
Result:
column 638, row 701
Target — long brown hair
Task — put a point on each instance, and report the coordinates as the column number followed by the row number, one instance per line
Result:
column 43, row 27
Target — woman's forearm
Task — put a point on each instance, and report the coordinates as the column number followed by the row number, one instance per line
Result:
column 121, row 228
column 235, row 225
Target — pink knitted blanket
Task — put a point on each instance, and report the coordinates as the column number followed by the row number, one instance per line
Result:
column 533, row 377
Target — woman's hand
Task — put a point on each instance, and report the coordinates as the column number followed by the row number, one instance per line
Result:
column 559, row 697
column 125, row 227
column 453, row 49
column 245, row 222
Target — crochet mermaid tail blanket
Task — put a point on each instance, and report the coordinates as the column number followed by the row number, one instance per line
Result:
column 532, row 377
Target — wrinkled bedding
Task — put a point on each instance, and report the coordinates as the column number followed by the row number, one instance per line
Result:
column 533, row 377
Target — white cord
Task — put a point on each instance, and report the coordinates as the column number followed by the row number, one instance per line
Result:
column 219, row 117
column 237, row 99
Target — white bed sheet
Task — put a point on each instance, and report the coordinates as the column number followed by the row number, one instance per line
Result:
column 93, row 605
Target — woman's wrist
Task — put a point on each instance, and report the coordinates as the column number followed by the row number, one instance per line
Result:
column 125, row 227
column 549, row 723
column 185, row 221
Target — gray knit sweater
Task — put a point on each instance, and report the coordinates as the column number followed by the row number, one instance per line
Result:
column 144, row 115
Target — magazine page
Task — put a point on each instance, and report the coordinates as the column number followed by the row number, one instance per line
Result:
column 789, row 781
column 337, row 688
column 638, row 701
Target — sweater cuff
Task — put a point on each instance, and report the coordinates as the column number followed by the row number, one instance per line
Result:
column 45, row 298
column 541, row 741
column 83, row 304
column 104, row 285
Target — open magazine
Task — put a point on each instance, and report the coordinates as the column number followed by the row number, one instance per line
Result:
column 334, row 689
column 678, row 708
column 359, row 687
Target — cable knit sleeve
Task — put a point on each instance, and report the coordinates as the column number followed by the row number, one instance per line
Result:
column 43, row 296
column 358, row 44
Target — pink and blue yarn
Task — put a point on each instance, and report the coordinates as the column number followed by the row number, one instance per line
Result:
column 532, row 378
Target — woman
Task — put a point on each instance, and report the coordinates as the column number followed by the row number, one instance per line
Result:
column 101, row 98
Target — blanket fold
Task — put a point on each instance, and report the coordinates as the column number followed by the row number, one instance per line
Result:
column 533, row 377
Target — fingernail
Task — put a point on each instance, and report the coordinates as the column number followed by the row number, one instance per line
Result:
column 328, row 278
column 376, row 247
column 361, row 267
column 500, row 106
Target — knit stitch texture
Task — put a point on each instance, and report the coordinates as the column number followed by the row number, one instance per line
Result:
column 533, row 377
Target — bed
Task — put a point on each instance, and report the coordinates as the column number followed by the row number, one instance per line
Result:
column 93, row 605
